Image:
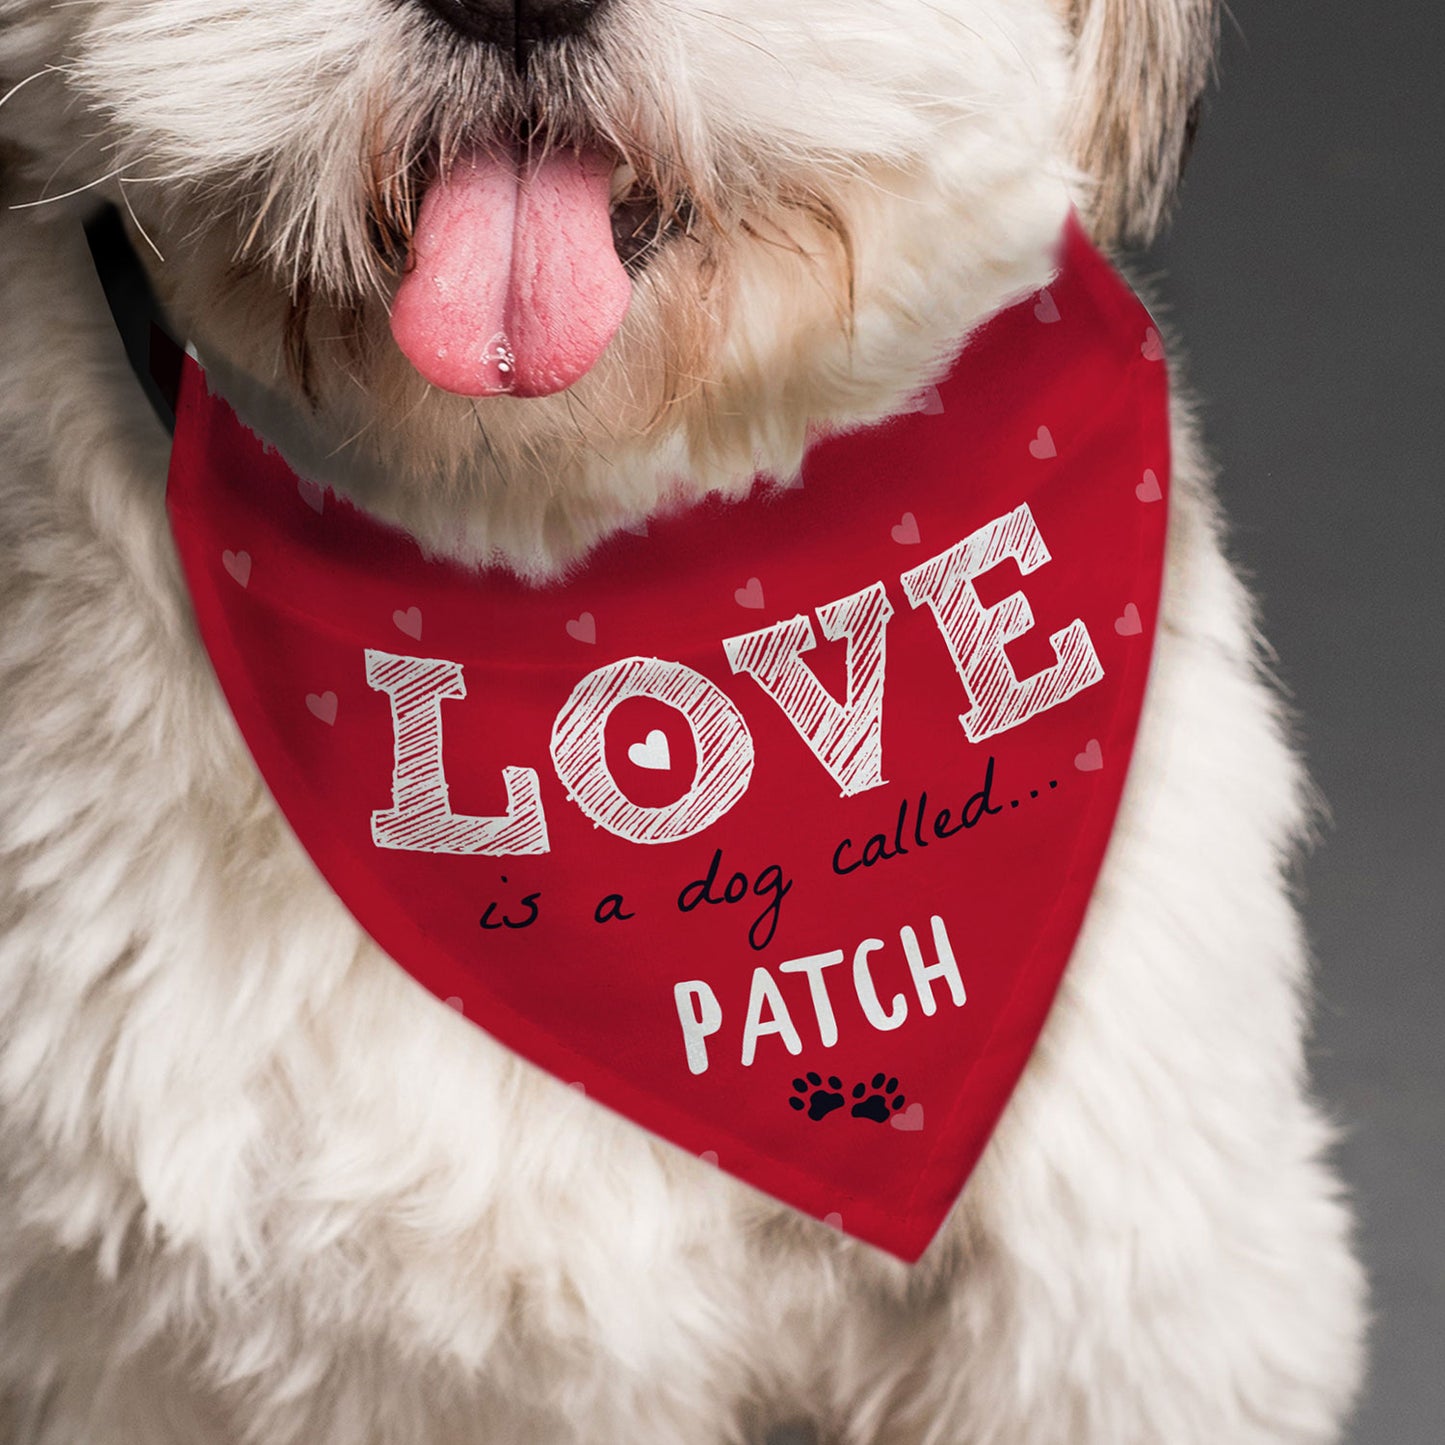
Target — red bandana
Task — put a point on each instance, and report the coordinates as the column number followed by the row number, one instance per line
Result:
column 773, row 828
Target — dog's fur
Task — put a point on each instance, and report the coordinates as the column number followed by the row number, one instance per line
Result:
column 255, row 1185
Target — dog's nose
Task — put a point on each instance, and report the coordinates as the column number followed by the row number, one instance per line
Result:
column 516, row 25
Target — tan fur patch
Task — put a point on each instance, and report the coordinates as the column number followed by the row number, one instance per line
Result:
column 1140, row 69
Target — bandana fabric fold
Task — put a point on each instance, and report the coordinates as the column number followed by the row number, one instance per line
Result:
column 773, row 828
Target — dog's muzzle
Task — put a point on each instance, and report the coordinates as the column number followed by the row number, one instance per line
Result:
column 515, row 25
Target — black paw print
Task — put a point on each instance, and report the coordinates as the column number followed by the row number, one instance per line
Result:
column 877, row 1106
column 822, row 1101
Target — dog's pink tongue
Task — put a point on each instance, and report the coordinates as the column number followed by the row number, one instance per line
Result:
column 514, row 284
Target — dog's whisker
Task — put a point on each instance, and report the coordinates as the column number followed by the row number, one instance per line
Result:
column 573, row 401
column 350, row 440
column 135, row 220
column 64, row 195
column 20, row 85
column 572, row 397
column 735, row 27
column 486, row 438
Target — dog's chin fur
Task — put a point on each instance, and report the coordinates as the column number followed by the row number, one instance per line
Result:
column 854, row 206
column 229, row 1210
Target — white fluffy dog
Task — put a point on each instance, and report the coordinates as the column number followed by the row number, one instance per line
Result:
column 255, row 1184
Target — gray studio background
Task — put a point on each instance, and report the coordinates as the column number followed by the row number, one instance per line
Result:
column 1302, row 272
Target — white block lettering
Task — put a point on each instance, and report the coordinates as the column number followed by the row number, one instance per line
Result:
column 976, row 635
column 765, row 991
column 923, row 974
column 724, row 749
column 700, row 1015
column 421, row 819
column 867, row 991
column 813, row 966
column 847, row 738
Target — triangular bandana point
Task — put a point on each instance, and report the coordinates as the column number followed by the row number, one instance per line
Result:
column 774, row 826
